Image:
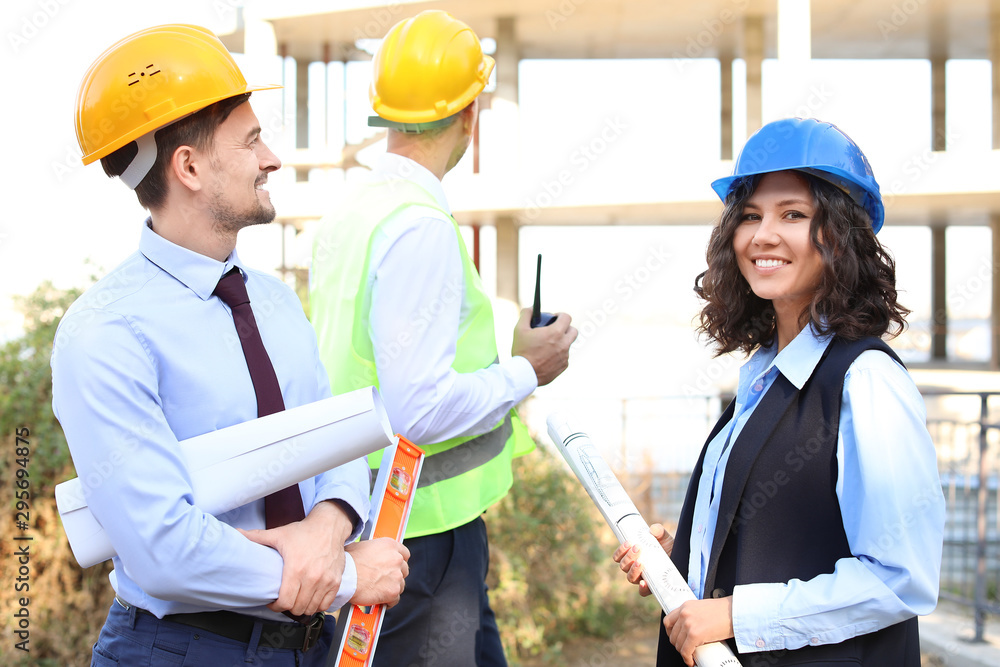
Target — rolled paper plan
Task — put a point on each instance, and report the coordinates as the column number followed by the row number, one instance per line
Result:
column 659, row 572
column 238, row 464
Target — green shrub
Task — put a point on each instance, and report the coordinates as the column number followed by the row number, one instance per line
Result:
column 552, row 580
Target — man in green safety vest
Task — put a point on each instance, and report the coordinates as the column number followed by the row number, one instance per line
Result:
column 397, row 302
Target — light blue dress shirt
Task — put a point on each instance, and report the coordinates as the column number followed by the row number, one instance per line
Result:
column 147, row 357
column 890, row 499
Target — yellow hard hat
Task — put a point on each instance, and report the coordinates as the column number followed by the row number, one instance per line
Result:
column 150, row 79
column 428, row 67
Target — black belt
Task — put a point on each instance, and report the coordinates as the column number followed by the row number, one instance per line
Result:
column 240, row 628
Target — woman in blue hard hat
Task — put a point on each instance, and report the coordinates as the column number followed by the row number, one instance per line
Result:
column 813, row 524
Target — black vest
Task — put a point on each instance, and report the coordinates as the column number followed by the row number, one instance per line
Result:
column 779, row 517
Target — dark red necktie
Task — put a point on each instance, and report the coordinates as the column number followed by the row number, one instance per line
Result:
column 284, row 506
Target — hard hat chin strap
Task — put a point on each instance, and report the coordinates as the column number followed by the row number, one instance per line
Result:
column 142, row 162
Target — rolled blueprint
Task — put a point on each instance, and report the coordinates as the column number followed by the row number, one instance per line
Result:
column 662, row 577
column 238, row 464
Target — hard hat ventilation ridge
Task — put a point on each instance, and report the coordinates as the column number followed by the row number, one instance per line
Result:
column 141, row 74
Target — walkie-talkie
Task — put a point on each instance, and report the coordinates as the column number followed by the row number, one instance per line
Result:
column 538, row 318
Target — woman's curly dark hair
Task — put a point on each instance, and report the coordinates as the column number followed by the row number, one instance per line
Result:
column 856, row 296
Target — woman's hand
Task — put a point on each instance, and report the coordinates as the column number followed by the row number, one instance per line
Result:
column 627, row 557
column 698, row 622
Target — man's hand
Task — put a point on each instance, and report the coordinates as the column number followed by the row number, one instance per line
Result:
column 382, row 567
column 313, row 555
column 627, row 557
column 698, row 622
column 545, row 348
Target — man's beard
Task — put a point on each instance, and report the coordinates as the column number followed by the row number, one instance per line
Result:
column 227, row 220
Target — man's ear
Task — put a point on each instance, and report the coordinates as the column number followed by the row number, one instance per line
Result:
column 186, row 166
column 470, row 115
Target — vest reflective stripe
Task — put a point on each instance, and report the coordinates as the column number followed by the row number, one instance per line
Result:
column 467, row 456
column 463, row 476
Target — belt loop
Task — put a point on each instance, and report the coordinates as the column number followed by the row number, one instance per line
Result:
column 251, row 655
column 131, row 616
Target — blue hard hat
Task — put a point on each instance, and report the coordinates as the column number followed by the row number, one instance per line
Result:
column 815, row 147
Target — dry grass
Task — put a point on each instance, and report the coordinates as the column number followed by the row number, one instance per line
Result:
column 66, row 604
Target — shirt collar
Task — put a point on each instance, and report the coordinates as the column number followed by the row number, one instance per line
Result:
column 391, row 165
column 796, row 362
column 197, row 272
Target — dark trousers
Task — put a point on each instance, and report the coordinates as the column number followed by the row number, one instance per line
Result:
column 134, row 639
column 443, row 618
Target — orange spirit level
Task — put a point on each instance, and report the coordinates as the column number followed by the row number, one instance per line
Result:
column 395, row 487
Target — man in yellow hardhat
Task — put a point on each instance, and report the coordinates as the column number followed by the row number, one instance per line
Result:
column 397, row 302
column 181, row 339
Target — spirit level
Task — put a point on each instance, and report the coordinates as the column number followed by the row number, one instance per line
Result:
column 395, row 486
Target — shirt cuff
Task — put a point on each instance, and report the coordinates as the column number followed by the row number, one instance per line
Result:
column 348, row 495
column 348, row 584
column 755, row 617
column 522, row 373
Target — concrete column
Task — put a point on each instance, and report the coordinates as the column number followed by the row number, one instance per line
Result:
column 939, row 304
column 507, row 249
column 726, row 120
column 995, row 310
column 939, row 116
column 994, row 49
column 504, row 152
column 301, row 113
column 504, row 146
column 753, row 45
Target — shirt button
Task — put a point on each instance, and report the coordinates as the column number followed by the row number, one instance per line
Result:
column 761, row 643
column 814, row 641
column 758, row 387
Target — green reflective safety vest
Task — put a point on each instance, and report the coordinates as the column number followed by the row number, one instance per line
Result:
column 461, row 477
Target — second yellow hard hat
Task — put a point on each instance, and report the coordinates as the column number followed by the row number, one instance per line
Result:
column 427, row 68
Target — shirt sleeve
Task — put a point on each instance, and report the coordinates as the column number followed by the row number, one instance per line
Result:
column 348, row 484
column 893, row 510
column 135, row 480
column 414, row 323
